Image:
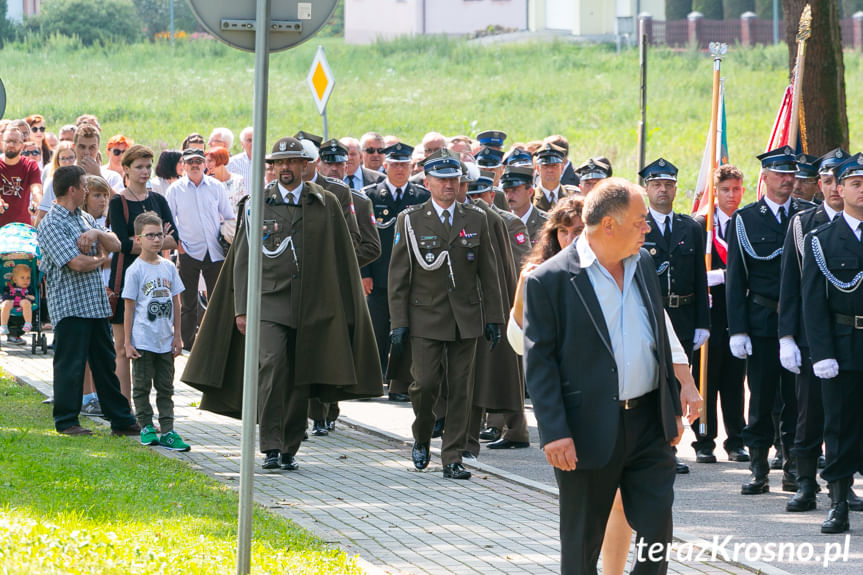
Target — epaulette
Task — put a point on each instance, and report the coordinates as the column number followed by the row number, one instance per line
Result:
column 801, row 205
column 818, row 229
column 359, row 193
column 474, row 207
column 751, row 206
column 335, row 182
column 411, row 208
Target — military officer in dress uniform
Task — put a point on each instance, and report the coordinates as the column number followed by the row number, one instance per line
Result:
column 519, row 238
column 549, row 163
column 493, row 139
column 444, row 295
column 806, row 178
column 518, row 157
column 794, row 345
column 389, row 198
column 517, row 184
column 491, row 159
column 833, row 316
column 591, row 172
column 725, row 373
column 755, row 243
column 676, row 243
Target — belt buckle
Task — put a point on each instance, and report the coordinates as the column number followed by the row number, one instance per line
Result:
column 629, row 404
column 858, row 322
column 673, row 301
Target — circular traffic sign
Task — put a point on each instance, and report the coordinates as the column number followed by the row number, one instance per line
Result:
column 292, row 21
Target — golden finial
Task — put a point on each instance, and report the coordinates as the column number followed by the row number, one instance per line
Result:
column 805, row 28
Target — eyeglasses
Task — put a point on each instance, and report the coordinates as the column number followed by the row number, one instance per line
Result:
column 374, row 150
column 31, row 153
column 151, row 237
column 39, row 129
column 194, row 162
column 117, row 151
column 196, row 141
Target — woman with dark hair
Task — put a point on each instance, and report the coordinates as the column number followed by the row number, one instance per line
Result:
column 169, row 169
column 37, row 134
column 564, row 225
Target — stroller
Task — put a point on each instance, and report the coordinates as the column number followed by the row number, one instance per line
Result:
column 18, row 245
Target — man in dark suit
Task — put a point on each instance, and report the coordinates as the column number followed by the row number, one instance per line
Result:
column 756, row 237
column 725, row 373
column 607, row 409
column 833, row 316
column 389, row 197
column 358, row 176
column 549, row 164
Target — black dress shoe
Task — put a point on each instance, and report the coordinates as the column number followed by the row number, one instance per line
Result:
column 504, row 443
column 399, row 397
column 468, row 456
column 756, row 486
column 681, row 467
column 705, row 456
column 319, row 429
column 420, row 455
column 289, row 463
column 778, row 461
column 490, row 434
column 455, row 471
column 271, row 461
column 331, row 425
column 738, row 454
column 438, row 427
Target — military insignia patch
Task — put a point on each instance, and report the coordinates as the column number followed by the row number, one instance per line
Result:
column 653, row 251
column 372, row 218
column 520, row 238
column 283, row 146
column 763, row 209
column 429, row 257
column 397, row 238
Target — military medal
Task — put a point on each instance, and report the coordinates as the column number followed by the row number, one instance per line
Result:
column 386, row 212
column 653, row 251
column 429, row 257
column 470, row 256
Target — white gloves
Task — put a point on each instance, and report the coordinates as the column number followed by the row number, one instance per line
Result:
column 700, row 337
column 715, row 277
column 789, row 354
column 826, row 368
column 741, row 345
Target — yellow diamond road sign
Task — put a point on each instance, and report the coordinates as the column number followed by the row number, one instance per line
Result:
column 320, row 80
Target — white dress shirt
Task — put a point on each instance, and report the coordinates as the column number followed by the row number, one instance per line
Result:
column 853, row 223
column 440, row 211
column 526, row 215
column 774, row 207
column 198, row 213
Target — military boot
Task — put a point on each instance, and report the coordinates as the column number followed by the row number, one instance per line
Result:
column 804, row 499
column 854, row 502
column 789, row 471
column 837, row 518
column 759, row 467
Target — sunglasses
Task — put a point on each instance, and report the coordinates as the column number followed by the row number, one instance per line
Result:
column 157, row 236
column 39, row 129
column 31, row 153
column 117, row 151
column 196, row 141
column 374, row 150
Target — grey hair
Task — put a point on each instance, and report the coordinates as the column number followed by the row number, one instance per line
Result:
column 225, row 134
column 610, row 198
column 369, row 137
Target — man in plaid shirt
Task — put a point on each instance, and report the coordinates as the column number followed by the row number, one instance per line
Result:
column 73, row 251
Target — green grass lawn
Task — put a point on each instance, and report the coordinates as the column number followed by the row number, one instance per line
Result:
column 410, row 86
column 105, row 505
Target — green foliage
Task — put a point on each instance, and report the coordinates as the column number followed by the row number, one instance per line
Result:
column 764, row 9
column 732, row 9
column 92, row 21
column 677, row 9
column 848, row 8
column 109, row 506
column 335, row 26
column 155, row 15
column 7, row 27
column 712, row 9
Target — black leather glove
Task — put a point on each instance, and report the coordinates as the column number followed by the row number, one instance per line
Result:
column 398, row 336
column 492, row 335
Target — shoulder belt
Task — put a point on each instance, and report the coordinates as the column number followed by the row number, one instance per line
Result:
column 413, row 246
column 845, row 287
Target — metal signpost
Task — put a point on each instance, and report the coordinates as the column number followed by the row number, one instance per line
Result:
column 321, row 82
column 236, row 23
column 2, row 99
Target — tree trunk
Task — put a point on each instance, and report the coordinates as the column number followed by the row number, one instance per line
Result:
column 823, row 102
column 712, row 9
column 677, row 9
column 732, row 9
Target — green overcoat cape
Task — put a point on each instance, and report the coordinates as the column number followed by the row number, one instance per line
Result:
column 336, row 352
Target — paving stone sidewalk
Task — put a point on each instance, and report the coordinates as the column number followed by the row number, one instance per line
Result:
column 359, row 492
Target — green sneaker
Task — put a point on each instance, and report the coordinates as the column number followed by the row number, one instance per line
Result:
column 174, row 442
column 148, row 436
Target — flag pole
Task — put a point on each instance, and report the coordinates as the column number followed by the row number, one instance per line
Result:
column 717, row 50
column 804, row 30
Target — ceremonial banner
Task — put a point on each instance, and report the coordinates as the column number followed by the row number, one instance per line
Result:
column 699, row 206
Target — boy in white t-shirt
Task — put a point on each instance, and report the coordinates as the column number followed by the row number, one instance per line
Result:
column 151, row 294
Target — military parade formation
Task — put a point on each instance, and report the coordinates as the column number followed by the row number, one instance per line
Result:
column 406, row 272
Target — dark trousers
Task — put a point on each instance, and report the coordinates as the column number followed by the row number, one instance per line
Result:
column 432, row 361
column 642, row 465
column 78, row 341
column 843, row 426
column 281, row 404
column 810, row 411
column 190, row 269
column 725, row 375
column 513, row 424
column 320, row 411
column 379, row 310
column 149, row 371
column 766, row 378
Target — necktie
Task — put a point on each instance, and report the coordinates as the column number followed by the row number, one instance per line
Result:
column 446, row 223
column 860, row 232
column 398, row 194
column 782, row 216
column 721, row 230
column 666, row 232
column 351, row 182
